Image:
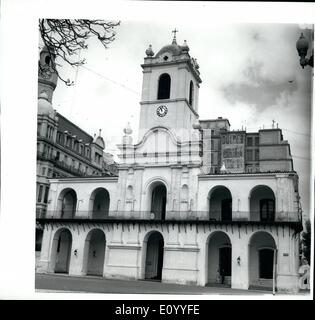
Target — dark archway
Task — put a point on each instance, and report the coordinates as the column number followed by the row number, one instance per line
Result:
column 262, row 249
column 94, row 253
column 219, row 259
column 67, row 203
column 220, row 204
column 61, row 251
column 164, row 86
column 158, row 201
column 262, row 204
column 154, row 256
column 38, row 239
column 99, row 203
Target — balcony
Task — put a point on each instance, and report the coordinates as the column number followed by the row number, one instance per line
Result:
column 171, row 216
column 60, row 164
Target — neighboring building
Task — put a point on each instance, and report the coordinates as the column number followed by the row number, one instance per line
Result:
column 63, row 149
column 193, row 202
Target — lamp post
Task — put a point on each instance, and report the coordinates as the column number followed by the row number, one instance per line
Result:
column 302, row 47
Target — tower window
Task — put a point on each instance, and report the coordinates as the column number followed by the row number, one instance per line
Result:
column 165, row 58
column 47, row 60
column 164, row 88
column 191, row 93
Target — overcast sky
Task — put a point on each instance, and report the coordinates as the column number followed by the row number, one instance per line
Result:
column 250, row 72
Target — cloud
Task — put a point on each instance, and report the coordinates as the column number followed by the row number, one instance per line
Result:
column 258, row 90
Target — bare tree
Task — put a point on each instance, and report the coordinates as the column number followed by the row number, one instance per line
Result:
column 65, row 38
column 306, row 241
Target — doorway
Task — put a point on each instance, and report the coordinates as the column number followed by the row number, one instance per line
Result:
column 158, row 202
column 63, row 251
column 154, row 257
column 266, row 263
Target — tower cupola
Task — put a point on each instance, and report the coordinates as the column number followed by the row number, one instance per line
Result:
column 170, row 88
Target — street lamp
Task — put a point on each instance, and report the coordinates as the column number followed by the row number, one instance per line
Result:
column 302, row 47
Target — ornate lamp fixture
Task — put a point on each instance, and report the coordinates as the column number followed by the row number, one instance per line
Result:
column 302, row 47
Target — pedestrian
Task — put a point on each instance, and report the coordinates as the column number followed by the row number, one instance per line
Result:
column 218, row 277
column 222, row 276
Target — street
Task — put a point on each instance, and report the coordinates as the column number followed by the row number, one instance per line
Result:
column 56, row 282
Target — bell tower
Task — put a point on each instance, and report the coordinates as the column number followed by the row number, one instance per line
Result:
column 171, row 81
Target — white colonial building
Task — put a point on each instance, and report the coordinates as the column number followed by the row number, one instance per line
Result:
column 193, row 202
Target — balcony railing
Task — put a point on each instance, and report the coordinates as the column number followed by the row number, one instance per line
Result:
column 237, row 216
column 60, row 164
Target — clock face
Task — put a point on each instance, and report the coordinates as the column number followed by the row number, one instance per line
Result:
column 161, row 111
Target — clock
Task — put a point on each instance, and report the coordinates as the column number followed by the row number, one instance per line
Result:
column 161, row 111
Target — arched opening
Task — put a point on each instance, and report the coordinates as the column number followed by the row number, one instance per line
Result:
column 61, row 251
column 67, row 203
column 158, row 201
column 262, row 204
column 47, row 60
column 99, row 203
column 261, row 260
column 191, row 93
column 219, row 259
column 220, row 204
column 38, row 239
column 164, row 86
column 154, row 256
column 38, row 244
column 94, row 253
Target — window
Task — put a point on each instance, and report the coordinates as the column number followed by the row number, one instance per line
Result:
column 51, row 132
column 60, row 137
column 256, row 141
column 256, row 154
column 267, row 210
column 164, row 86
column 43, row 171
column 46, row 194
column 250, row 141
column 39, row 127
column 68, row 141
column 49, row 173
column 47, row 60
column 191, row 93
column 40, row 194
column 47, row 132
column 249, row 155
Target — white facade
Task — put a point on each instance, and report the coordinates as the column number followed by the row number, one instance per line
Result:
column 163, row 218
